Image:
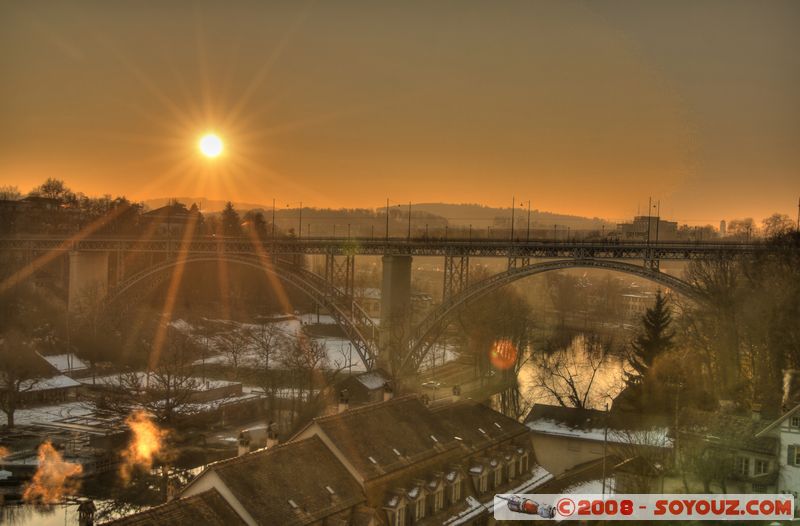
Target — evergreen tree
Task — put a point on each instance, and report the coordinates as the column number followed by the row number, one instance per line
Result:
column 653, row 340
column 231, row 223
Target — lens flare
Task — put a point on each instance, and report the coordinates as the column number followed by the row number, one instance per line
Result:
column 54, row 478
column 503, row 354
column 147, row 441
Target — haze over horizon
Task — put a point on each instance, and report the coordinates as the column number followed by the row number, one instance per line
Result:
column 584, row 108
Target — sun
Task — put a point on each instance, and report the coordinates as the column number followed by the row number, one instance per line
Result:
column 210, row 145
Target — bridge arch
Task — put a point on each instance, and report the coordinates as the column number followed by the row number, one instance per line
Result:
column 356, row 324
column 429, row 329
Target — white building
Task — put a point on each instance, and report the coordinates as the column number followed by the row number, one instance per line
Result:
column 786, row 428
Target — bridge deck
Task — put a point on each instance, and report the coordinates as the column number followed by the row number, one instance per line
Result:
column 379, row 247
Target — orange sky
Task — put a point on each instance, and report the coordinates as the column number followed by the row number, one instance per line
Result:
column 583, row 108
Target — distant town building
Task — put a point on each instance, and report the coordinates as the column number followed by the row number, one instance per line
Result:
column 171, row 219
column 637, row 230
column 635, row 304
column 723, row 228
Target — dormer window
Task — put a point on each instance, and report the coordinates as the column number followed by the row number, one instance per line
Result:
column 438, row 499
column 498, row 475
column 795, row 422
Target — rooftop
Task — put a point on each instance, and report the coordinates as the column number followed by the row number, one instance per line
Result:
column 207, row 508
column 288, row 484
column 368, row 435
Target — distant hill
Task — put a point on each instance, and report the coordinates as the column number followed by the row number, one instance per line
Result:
column 479, row 216
column 482, row 216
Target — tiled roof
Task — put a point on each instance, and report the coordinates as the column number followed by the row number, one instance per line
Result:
column 476, row 425
column 371, row 436
column 289, row 484
column 207, row 508
column 732, row 431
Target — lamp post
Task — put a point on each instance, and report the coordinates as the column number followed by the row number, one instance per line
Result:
column 513, row 208
column 528, row 232
column 409, row 221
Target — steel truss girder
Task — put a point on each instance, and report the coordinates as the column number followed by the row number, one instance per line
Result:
column 356, row 324
column 431, row 327
column 340, row 272
column 456, row 275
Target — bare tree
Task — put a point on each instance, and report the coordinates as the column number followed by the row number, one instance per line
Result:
column 306, row 357
column 20, row 371
column 777, row 224
column 9, row 193
column 646, row 453
column 168, row 388
column 234, row 344
column 570, row 376
column 267, row 340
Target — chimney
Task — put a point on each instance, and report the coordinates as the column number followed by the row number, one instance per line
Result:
column 456, row 393
column 344, row 401
column 272, row 435
column 388, row 392
column 244, row 444
column 791, row 389
column 755, row 412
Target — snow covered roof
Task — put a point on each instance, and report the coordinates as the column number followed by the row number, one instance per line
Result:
column 66, row 362
column 45, row 384
column 652, row 437
column 372, row 380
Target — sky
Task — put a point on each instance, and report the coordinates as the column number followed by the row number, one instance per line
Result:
column 585, row 108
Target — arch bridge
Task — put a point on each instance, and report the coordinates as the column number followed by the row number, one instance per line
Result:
column 100, row 262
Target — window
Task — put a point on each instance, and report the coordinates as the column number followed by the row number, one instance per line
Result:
column 455, row 491
column 793, row 455
column 761, row 467
column 795, row 421
column 498, row 476
column 438, row 499
column 741, row 465
column 397, row 517
column 524, row 463
column 483, row 481
column 419, row 509
column 512, row 471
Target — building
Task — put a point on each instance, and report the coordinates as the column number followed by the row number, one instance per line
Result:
column 744, row 457
column 68, row 364
column 635, row 304
column 368, row 387
column 637, row 230
column 208, row 509
column 172, row 219
column 396, row 462
column 566, row 437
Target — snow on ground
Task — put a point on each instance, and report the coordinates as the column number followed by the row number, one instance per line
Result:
column 438, row 356
column 51, row 413
column 589, row 487
column 341, row 354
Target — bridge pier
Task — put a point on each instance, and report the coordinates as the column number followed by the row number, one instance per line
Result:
column 88, row 278
column 395, row 311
